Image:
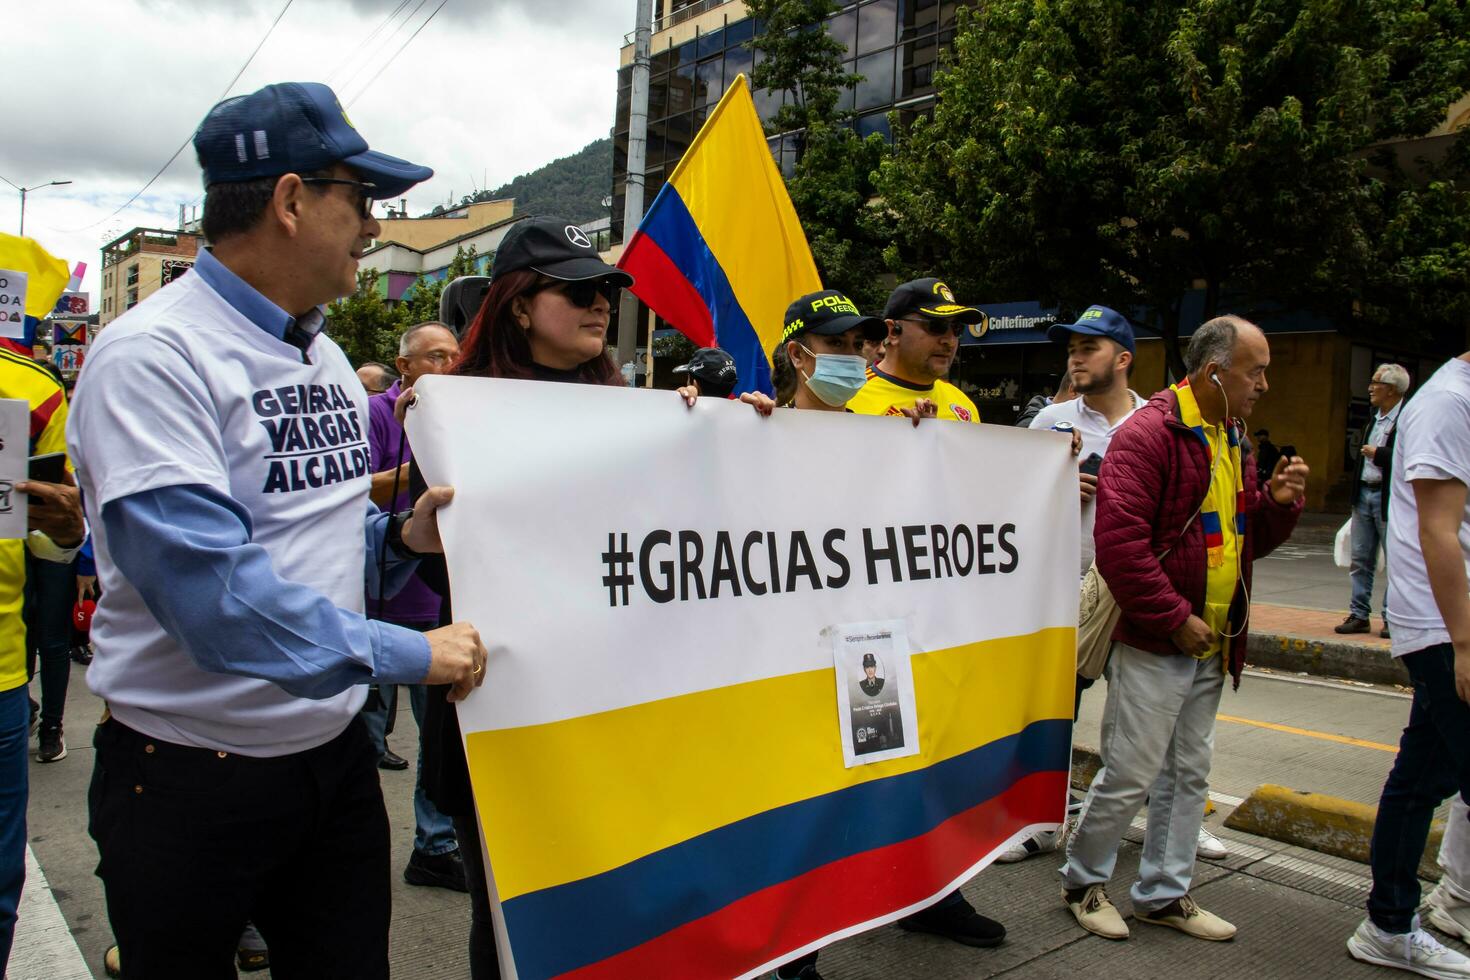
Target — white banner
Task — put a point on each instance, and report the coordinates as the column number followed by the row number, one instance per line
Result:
column 661, row 746
column 13, row 304
column 15, row 435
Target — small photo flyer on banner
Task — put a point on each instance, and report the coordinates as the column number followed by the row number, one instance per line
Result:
column 12, row 304
column 15, row 425
column 875, row 692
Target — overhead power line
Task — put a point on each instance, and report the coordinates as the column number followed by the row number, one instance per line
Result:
column 405, row 44
column 190, row 138
column 353, row 52
column 376, row 52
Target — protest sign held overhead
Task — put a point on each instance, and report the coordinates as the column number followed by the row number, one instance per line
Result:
column 720, row 252
column 659, row 754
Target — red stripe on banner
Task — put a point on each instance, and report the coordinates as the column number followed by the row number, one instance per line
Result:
column 760, row 927
column 41, row 414
column 664, row 287
column 18, row 347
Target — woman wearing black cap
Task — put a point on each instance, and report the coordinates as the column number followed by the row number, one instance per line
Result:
column 544, row 318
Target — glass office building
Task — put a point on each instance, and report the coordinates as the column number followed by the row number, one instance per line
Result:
column 893, row 44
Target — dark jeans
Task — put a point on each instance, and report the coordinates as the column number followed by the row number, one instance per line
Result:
column 15, row 721
column 195, row 843
column 484, row 959
column 1433, row 762
column 51, row 589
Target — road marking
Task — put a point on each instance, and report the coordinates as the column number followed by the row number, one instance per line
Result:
column 1324, row 736
column 1357, row 688
column 44, row 946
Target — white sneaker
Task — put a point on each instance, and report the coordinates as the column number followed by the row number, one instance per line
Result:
column 1037, row 843
column 1447, row 913
column 1417, row 951
column 1210, row 846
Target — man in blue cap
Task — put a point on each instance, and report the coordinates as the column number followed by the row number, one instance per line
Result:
column 221, row 446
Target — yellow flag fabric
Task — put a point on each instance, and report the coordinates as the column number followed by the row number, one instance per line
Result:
column 47, row 275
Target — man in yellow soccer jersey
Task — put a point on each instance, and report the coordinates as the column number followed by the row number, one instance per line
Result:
column 924, row 326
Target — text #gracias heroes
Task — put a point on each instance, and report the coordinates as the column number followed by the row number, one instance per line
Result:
column 685, row 565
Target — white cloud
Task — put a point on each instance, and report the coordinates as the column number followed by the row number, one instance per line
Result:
column 487, row 91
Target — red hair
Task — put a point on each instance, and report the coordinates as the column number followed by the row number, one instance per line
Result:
column 495, row 346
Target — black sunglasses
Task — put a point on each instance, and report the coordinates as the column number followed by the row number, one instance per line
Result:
column 584, row 292
column 937, row 328
column 364, row 188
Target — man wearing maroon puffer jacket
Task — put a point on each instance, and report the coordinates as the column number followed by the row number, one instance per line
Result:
column 1181, row 516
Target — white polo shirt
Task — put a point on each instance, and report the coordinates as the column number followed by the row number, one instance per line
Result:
column 1097, row 434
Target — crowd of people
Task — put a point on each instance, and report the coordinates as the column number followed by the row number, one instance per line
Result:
column 270, row 571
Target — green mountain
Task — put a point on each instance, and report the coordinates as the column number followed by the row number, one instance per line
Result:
column 572, row 187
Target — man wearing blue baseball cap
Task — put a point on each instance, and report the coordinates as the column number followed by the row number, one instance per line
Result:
column 221, row 445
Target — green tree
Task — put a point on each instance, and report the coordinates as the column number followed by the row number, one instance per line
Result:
column 363, row 324
column 1126, row 151
column 831, row 183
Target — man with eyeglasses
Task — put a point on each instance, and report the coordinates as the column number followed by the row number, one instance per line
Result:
column 424, row 349
column 221, row 446
column 924, row 326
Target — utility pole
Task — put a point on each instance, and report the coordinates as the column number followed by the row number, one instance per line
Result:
column 628, row 325
column 57, row 183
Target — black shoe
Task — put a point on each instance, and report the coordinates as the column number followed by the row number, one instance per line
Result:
column 53, row 746
column 807, row 972
column 1353, row 625
column 436, row 870
column 250, row 952
column 1384, row 632
column 393, row 761
column 959, row 922
column 82, row 654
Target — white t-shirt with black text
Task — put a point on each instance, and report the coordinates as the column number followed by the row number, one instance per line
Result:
column 185, row 390
column 1433, row 444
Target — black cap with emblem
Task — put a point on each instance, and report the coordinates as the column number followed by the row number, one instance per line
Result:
column 556, row 248
column 714, row 369
column 930, row 298
column 828, row 312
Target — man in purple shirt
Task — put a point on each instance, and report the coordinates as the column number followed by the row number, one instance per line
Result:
column 426, row 348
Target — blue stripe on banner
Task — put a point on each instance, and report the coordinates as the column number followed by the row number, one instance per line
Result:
column 582, row 922
column 670, row 224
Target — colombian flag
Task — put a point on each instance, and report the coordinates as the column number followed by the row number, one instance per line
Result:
column 46, row 276
column 708, row 862
column 721, row 254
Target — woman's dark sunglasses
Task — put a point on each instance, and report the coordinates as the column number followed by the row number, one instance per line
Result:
column 584, row 292
column 364, row 191
column 937, row 328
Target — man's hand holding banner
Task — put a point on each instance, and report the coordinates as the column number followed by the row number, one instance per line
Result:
column 658, row 757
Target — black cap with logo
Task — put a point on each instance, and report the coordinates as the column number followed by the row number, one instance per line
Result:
column 828, row 313
column 556, row 248
column 930, row 298
column 714, row 369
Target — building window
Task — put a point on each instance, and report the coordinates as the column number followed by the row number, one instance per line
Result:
column 133, row 275
column 876, row 88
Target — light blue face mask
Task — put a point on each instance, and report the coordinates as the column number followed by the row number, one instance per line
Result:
column 837, row 377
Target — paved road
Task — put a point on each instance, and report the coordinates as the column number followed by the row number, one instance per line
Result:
column 1301, row 572
column 1295, row 908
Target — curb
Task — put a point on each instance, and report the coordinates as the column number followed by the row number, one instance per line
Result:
column 1327, row 824
column 1325, row 658
column 1315, row 821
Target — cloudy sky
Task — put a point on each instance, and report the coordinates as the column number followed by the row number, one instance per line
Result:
column 489, row 89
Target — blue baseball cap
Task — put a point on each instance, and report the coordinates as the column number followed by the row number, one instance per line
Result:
column 293, row 128
column 1096, row 321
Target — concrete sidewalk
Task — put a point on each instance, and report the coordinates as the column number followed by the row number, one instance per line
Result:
column 1303, row 640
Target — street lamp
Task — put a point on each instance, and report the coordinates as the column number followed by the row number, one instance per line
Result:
column 26, row 190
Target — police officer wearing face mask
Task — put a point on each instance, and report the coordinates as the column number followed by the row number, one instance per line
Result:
column 822, row 338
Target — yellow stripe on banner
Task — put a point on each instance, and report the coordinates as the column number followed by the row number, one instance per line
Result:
column 734, row 192
column 653, row 775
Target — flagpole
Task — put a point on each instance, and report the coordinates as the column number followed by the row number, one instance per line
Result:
column 633, row 185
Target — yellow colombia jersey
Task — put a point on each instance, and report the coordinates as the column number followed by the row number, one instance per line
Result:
column 887, row 395
column 20, row 377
